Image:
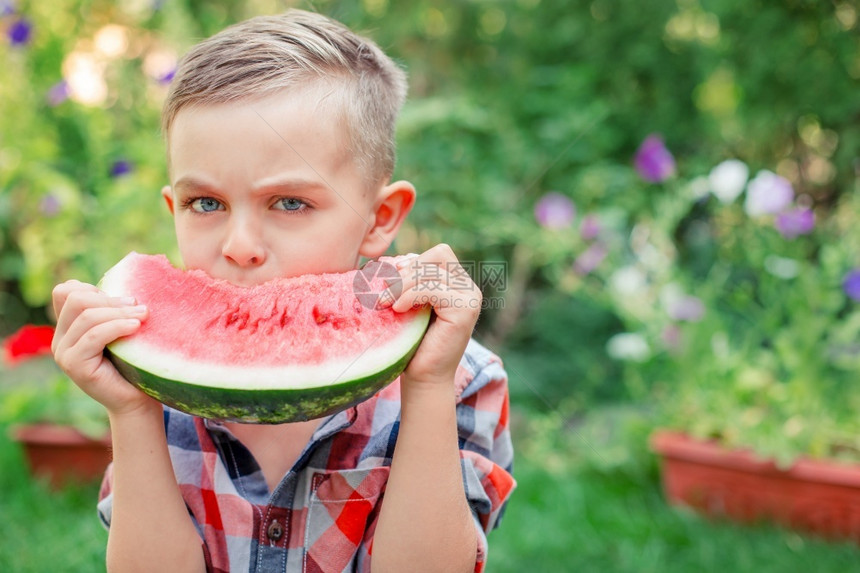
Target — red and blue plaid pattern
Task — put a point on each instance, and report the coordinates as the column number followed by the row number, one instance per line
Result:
column 323, row 514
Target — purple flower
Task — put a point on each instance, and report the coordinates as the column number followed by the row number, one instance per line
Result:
column 590, row 259
column 7, row 7
column 796, row 222
column 19, row 32
column 121, row 167
column 689, row 308
column 555, row 211
column 671, row 337
column 58, row 93
column 851, row 284
column 50, row 205
column 167, row 77
column 768, row 194
column 653, row 161
column 589, row 228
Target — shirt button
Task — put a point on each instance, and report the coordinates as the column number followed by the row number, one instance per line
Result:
column 275, row 531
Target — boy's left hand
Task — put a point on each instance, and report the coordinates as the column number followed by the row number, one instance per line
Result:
column 436, row 277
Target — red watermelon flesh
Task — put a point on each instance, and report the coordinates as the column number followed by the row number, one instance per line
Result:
column 309, row 318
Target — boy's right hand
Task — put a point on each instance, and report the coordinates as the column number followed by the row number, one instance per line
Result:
column 88, row 320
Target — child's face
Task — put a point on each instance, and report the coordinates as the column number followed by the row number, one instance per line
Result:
column 266, row 189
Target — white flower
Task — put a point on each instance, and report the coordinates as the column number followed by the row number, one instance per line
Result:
column 111, row 41
column 670, row 294
column 720, row 345
column 727, row 180
column 85, row 76
column 628, row 281
column 768, row 194
column 781, row 267
column 628, row 346
column 699, row 188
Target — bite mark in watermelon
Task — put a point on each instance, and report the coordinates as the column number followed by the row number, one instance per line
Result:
column 283, row 351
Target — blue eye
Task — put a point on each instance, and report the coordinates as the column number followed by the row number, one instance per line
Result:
column 290, row 204
column 206, row 205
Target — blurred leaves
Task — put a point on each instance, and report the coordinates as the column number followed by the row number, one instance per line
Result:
column 510, row 100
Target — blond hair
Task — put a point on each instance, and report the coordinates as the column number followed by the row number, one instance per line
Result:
column 263, row 55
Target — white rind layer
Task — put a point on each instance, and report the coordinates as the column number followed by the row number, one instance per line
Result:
column 174, row 366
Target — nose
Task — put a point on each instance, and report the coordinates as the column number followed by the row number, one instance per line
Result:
column 244, row 245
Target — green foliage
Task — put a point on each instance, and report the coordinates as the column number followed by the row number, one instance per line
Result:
column 78, row 540
column 509, row 100
column 37, row 391
column 771, row 363
column 552, row 358
column 582, row 504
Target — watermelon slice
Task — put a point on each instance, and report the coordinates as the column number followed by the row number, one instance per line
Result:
column 283, row 351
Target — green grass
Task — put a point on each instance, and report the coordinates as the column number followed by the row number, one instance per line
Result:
column 591, row 522
column 42, row 530
column 570, row 514
column 580, row 505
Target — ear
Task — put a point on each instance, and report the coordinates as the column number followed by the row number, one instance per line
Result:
column 394, row 202
column 167, row 193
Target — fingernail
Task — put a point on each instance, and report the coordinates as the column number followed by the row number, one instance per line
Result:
column 407, row 258
column 138, row 309
column 127, row 300
column 385, row 300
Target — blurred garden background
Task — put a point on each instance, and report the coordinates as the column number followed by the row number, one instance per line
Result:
column 669, row 187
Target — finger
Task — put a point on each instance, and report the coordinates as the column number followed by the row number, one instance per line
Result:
column 443, row 300
column 416, row 269
column 60, row 297
column 441, row 256
column 80, row 299
column 75, row 328
column 455, row 314
column 431, row 277
column 401, row 261
column 90, row 318
column 441, row 252
column 81, row 356
column 62, row 291
column 436, row 269
column 83, row 298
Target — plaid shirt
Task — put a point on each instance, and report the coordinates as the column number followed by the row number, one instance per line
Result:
column 323, row 514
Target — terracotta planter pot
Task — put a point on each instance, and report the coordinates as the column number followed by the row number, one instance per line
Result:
column 814, row 496
column 62, row 454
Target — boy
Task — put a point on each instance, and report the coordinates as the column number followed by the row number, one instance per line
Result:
column 280, row 144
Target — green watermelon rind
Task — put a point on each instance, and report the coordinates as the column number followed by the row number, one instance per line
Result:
column 262, row 406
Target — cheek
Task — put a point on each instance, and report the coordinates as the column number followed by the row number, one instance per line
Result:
column 196, row 244
column 330, row 252
column 184, row 232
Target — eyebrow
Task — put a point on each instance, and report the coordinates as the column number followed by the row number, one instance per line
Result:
column 193, row 184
